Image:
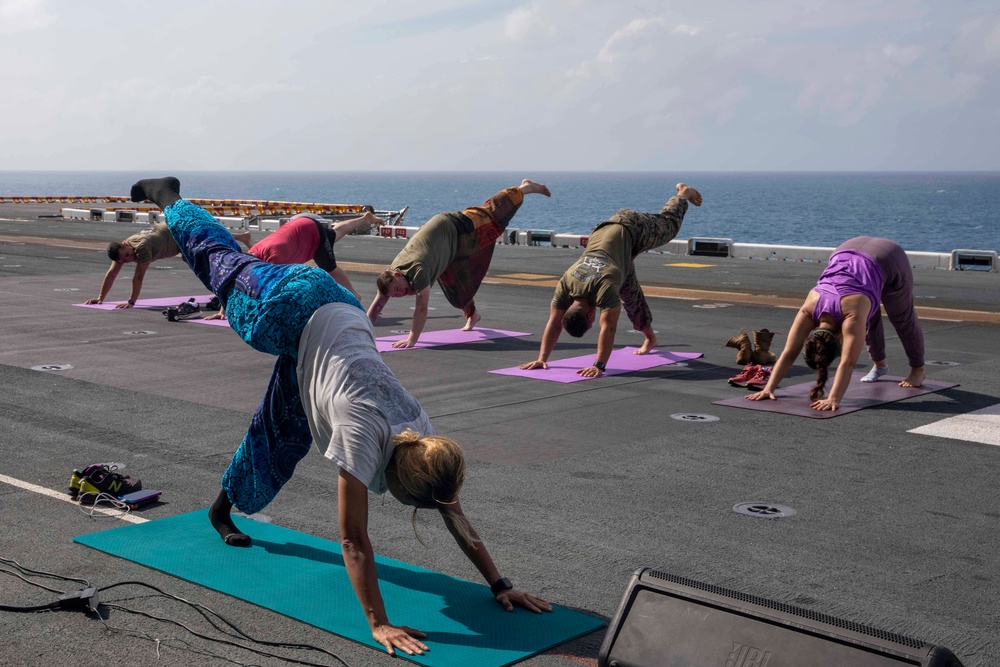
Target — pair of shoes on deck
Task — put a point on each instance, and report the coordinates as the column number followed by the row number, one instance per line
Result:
column 100, row 478
column 754, row 376
column 756, row 352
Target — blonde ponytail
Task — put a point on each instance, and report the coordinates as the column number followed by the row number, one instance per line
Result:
column 431, row 469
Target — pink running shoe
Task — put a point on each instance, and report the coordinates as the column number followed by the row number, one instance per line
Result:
column 749, row 371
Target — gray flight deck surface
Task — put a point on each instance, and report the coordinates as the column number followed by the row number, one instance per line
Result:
column 572, row 486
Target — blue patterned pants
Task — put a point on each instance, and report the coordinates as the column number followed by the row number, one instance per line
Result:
column 267, row 305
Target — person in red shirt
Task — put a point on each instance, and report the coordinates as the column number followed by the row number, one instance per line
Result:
column 308, row 237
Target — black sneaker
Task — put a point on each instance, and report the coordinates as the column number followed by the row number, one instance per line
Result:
column 185, row 311
column 106, row 480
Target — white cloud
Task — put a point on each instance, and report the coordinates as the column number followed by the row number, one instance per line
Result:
column 580, row 84
column 622, row 44
column 685, row 29
column 610, row 52
column 977, row 41
column 23, row 15
column 902, row 55
column 725, row 105
column 524, row 22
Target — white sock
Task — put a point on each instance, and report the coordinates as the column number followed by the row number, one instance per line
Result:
column 874, row 374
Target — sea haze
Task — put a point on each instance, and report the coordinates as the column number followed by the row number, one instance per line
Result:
column 934, row 212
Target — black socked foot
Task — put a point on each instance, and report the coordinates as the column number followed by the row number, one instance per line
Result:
column 221, row 520
column 161, row 191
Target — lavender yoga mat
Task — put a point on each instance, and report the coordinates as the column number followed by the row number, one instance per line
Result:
column 860, row 395
column 621, row 361
column 164, row 302
column 446, row 337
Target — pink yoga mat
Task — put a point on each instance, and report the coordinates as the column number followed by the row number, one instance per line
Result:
column 446, row 337
column 164, row 302
column 621, row 361
column 860, row 395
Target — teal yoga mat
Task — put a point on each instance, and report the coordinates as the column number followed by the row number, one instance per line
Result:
column 303, row 577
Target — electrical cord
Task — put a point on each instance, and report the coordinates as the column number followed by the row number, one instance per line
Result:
column 86, row 599
column 234, row 632
column 103, row 497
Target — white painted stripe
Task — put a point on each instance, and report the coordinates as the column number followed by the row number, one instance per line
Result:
column 981, row 426
column 41, row 490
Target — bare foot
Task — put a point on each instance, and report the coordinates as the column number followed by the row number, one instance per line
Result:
column 689, row 193
column 361, row 225
column 647, row 345
column 530, row 187
column 914, row 379
column 472, row 322
column 244, row 238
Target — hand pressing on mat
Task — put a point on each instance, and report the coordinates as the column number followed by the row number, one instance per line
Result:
column 514, row 598
column 824, row 404
column 402, row 637
column 760, row 395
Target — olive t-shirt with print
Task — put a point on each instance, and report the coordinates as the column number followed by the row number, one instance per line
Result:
column 598, row 274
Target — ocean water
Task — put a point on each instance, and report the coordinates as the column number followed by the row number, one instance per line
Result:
column 933, row 212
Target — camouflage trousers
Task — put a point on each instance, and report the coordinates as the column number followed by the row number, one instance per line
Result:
column 649, row 230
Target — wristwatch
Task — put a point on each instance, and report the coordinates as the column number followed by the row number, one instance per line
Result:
column 599, row 365
column 500, row 585
column 131, row 302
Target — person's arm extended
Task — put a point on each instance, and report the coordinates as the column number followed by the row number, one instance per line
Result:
column 359, row 559
column 109, row 280
column 480, row 557
column 853, row 331
column 419, row 318
column 801, row 327
column 605, row 342
column 340, row 276
column 378, row 304
column 140, row 273
column 549, row 339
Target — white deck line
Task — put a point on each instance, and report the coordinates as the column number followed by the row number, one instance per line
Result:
column 982, row 426
column 41, row 490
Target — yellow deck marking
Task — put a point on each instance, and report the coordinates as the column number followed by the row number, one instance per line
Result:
column 542, row 280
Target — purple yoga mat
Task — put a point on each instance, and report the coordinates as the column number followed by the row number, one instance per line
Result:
column 860, row 395
column 621, row 361
column 446, row 337
column 164, row 302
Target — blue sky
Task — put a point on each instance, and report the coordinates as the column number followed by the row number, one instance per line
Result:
column 547, row 85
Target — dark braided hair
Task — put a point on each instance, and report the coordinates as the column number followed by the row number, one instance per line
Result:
column 821, row 348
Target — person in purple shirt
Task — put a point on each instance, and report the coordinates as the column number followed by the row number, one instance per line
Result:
column 842, row 312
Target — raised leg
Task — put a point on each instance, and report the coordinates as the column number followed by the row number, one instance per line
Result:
column 161, row 191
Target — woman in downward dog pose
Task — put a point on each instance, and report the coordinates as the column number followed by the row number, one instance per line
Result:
column 330, row 386
column 842, row 313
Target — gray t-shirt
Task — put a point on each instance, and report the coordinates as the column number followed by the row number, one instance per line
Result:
column 353, row 401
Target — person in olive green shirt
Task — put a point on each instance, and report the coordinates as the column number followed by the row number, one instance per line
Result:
column 455, row 249
column 143, row 248
column 604, row 278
